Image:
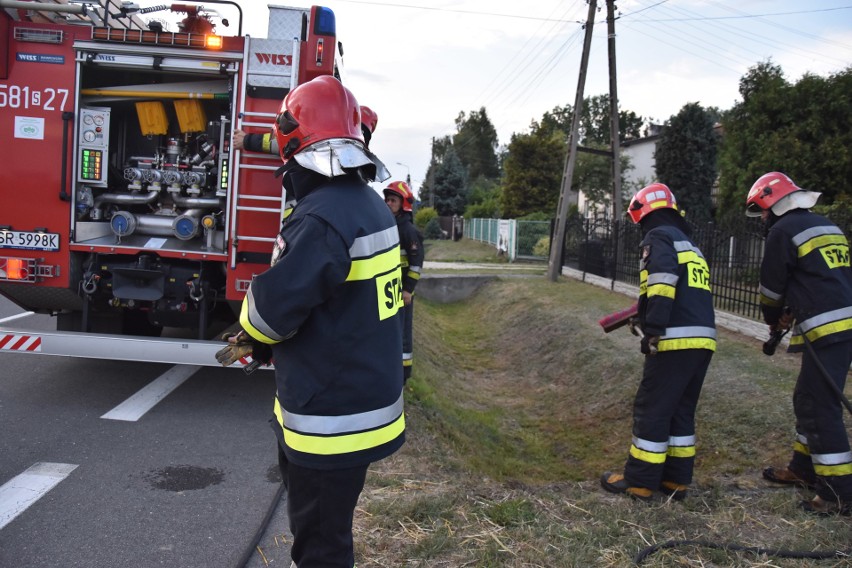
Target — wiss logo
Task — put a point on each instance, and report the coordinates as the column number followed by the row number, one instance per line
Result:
column 275, row 58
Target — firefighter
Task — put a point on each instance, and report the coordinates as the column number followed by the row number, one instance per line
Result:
column 327, row 309
column 678, row 340
column 805, row 276
column 400, row 200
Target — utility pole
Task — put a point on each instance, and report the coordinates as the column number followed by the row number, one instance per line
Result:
column 558, row 243
column 617, row 214
column 613, row 111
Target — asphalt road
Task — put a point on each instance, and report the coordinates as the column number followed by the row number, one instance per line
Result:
column 187, row 484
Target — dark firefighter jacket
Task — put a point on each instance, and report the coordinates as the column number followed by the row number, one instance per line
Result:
column 411, row 245
column 806, row 268
column 328, row 306
column 675, row 302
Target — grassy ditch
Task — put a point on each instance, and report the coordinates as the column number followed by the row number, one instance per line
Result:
column 519, row 402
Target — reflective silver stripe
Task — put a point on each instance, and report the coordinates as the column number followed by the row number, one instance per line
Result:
column 403, row 252
column 808, row 234
column 827, row 317
column 406, row 356
column 369, row 245
column 662, row 278
column 802, row 439
column 649, row 446
column 257, row 321
column 832, row 459
column 414, row 269
column 683, row 246
column 769, row 293
column 689, row 331
column 682, row 441
column 311, row 424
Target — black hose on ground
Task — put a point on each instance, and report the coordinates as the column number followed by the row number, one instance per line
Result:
column 817, row 555
column 252, row 546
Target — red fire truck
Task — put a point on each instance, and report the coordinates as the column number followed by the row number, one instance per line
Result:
column 124, row 208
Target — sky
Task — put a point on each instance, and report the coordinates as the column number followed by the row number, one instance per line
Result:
column 419, row 64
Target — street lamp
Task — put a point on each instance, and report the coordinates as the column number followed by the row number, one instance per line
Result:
column 407, row 174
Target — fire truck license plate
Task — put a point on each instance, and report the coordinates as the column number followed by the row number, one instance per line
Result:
column 29, row 241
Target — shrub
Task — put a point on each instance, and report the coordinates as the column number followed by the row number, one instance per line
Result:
column 423, row 216
column 433, row 229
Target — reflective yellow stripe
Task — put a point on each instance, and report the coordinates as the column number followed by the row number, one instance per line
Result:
column 407, row 362
column 246, row 324
column 650, row 457
column 687, row 343
column 413, row 275
column 822, row 241
column 767, row 301
column 662, row 290
column 689, row 256
column 823, row 330
column 833, row 470
column 343, row 444
column 801, row 448
column 369, row 268
column 682, row 451
column 266, row 144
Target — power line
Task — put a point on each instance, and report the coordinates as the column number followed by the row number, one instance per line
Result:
column 740, row 17
column 435, row 9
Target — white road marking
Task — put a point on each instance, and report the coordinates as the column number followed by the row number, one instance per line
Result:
column 17, row 316
column 137, row 405
column 17, row 494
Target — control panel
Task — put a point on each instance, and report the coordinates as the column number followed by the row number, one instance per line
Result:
column 93, row 145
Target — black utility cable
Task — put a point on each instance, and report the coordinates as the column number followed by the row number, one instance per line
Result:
column 252, row 546
column 779, row 553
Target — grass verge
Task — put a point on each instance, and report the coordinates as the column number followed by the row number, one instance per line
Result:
column 518, row 403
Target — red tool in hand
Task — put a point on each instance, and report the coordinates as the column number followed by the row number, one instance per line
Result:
column 620, row 319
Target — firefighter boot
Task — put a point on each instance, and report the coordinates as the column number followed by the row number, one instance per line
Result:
column 827, row 508
column 674, row 490
column 786, row 476
column 615, row 483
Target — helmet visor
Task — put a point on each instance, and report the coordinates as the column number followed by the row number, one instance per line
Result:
column 286, row 122
column 753, row 210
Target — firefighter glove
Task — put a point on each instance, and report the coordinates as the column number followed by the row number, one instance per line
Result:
column 241, row 345
column 649, row 343
column 635, row 326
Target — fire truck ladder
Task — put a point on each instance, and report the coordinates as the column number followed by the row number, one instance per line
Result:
column 244, row 201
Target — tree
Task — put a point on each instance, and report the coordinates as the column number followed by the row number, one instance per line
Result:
column 483, row 200
column 803, row 129
column 532, row 173
column 686, row 160
column 476, row 144
column 439, row 150
column 594, row 122
column 450, row 185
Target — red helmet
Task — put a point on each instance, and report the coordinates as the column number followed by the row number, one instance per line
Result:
column 767, row 191
column 369, row 118
column 315, row 111
column 649, row 199
column 401, row 189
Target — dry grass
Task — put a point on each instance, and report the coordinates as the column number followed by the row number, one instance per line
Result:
column 519, row 402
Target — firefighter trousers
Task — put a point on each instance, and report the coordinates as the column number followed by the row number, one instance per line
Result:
column 407, row 339
column 822, row 446
column 663, row 447
column 320, row 505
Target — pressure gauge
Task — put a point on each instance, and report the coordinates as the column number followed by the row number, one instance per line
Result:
column 89, row 136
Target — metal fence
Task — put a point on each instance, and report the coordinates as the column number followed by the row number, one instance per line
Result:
column 611, row 249
column 601, row 246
